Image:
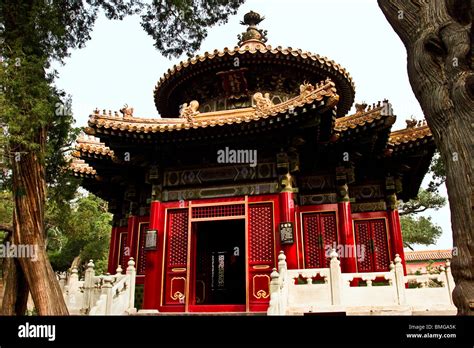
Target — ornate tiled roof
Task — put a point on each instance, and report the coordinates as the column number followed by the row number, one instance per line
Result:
column 92, row 145
column 79, row 166
column 289, row 51
column 364, row 115
column 191, row 118
column 427, row 255
column 411, row 133
column 255, row 56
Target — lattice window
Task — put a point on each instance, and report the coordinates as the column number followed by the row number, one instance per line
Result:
column 329, row 233
column 312, row 241
column 261, row 232
column 141, row 259
column 178, row 237
column 319, row 232
column 382, row 258
column 364, row 240
column 372, row 235
column 218, row 211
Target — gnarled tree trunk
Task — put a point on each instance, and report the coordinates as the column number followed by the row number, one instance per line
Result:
column 438, row 37
column 29, row 187
column 15, row 289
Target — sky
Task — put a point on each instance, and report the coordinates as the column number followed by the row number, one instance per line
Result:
column 119, row 65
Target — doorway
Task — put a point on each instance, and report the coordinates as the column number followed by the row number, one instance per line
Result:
column 219, row 272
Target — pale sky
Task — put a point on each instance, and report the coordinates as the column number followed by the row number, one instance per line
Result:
column 120, row 65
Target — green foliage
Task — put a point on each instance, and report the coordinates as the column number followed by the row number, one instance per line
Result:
column 425, row 200
column 419, row 230
column 80, row 229
column 179, row 26
column 52, row 28
column 438, row 172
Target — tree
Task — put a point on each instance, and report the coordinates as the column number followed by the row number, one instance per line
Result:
column 32, row 35
column 424, row 201
column 419, row 230
column 438, row 36
column 81, row 231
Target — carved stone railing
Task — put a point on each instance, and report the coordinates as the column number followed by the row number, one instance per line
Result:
column 329, row 290
column 100, row 295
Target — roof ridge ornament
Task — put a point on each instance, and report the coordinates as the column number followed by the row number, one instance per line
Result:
column 252, row 37
column 189, row 111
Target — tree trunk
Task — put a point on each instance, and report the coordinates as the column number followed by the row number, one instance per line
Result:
column 15, row 295
column 437, row 35
column 28, row 229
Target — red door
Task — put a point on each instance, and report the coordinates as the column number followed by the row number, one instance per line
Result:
column 372, row 245
column 319, row 236
column 176, row 257
column 261, row 253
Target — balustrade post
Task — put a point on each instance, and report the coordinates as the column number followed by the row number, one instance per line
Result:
column 131, row 273
column 107, row 291
column 449, row 280
column 282, row 266
column 88, row 286
column 400, row 280
column 335, row 278
column 274, row 306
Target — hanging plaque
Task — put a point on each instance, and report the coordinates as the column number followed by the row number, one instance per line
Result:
column 286, row 233
column 150, row 240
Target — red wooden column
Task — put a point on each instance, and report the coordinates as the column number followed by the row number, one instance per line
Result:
column 395, row 229
column 287, row 215
column 346, row 232
column 153, row 279
column 113, row 250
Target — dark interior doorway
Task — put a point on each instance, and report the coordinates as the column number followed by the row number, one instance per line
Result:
column 220, row 262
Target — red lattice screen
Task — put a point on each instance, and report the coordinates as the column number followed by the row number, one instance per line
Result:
column 141, row 255
column 363, row 240
column 382, row 257
column 218, row 211
column 261, row 233
column 319, row 234
column 371, row 237
column 123, row 257
column 178, row 237
column 176, row 257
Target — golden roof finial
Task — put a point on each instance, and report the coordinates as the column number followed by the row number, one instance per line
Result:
column 253, row 35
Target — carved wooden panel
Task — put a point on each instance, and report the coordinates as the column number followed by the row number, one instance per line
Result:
column 261, row 239
column 382, row 257
column 178, row 237
column 261, row 233
column 124, row 252
column 319, row 236
column 141, row 252
column 363, row 239
column 371, row 238
column 218, row 211
column 176, row 256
